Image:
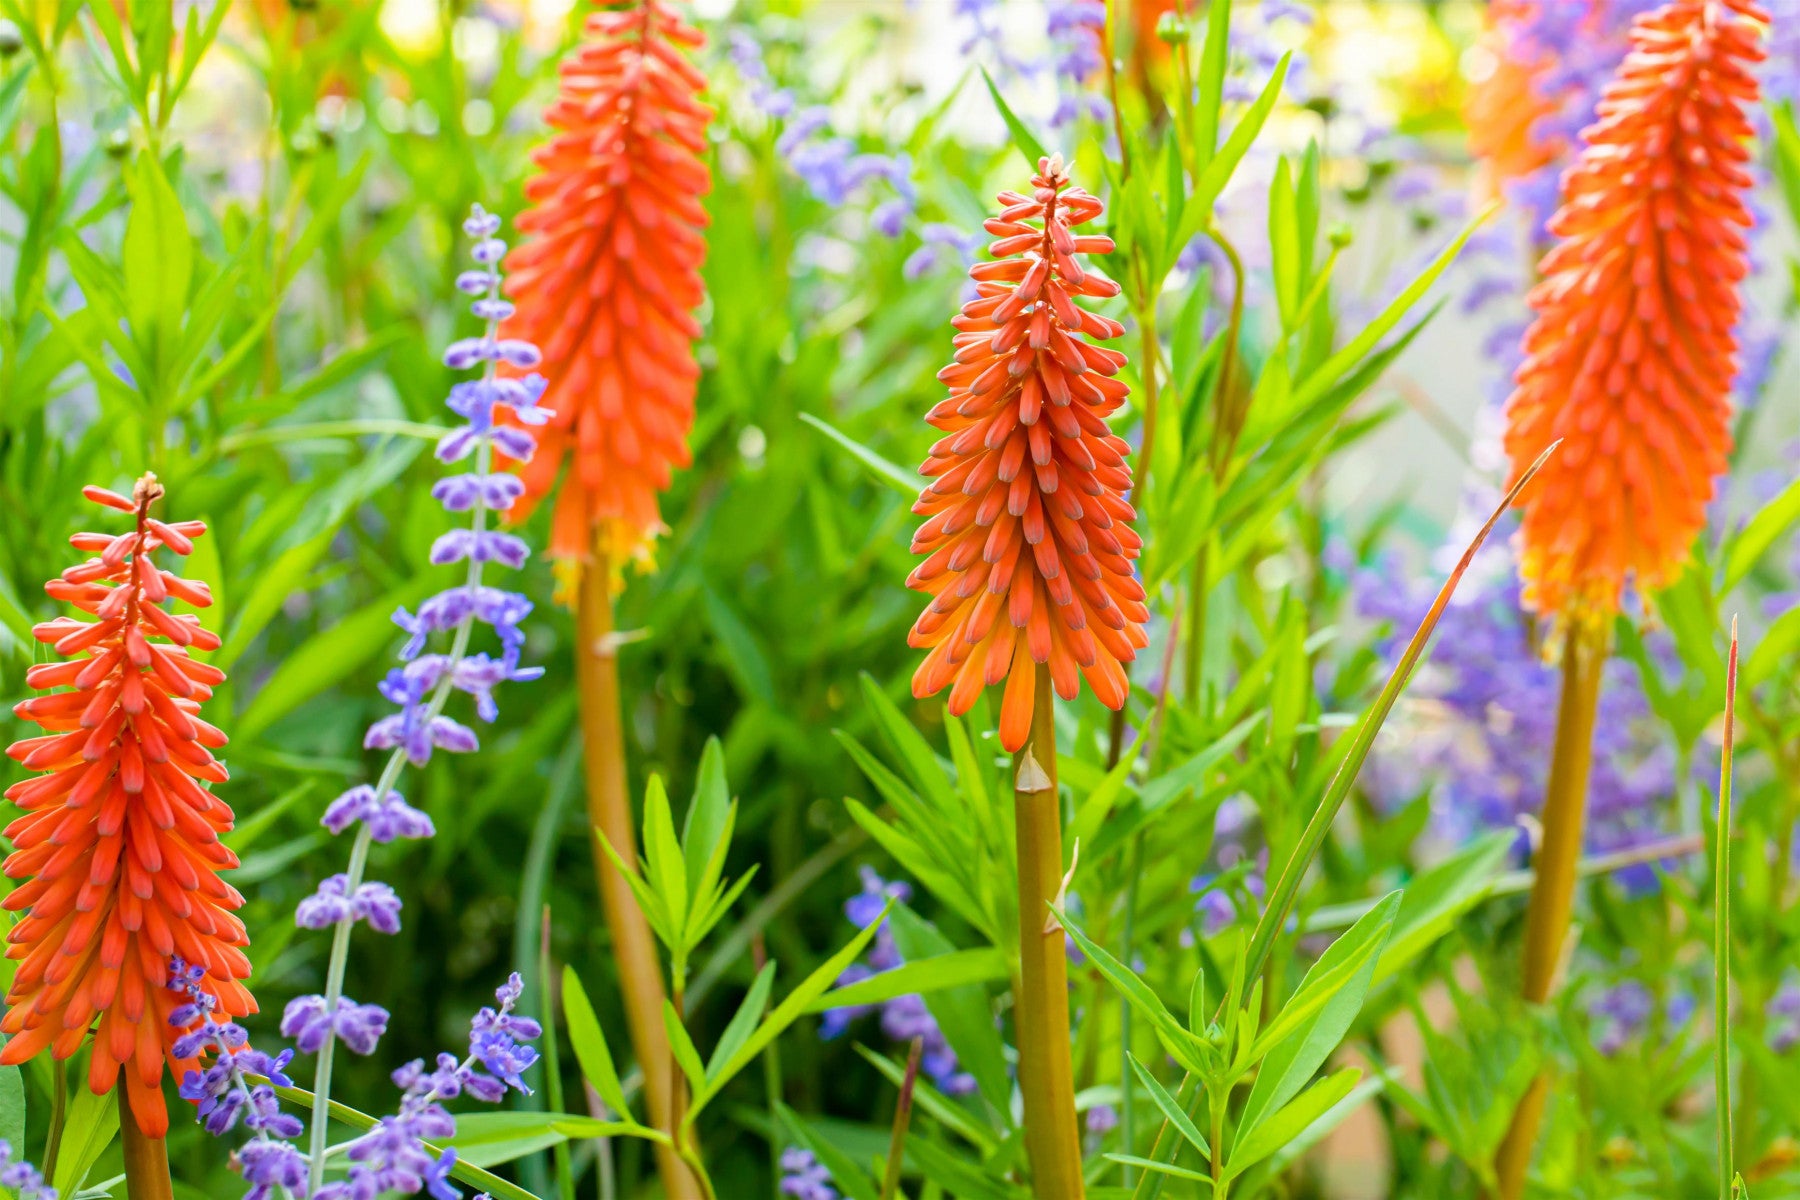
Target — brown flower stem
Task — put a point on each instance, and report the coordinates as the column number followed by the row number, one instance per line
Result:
column 1556, row 863
column 609, row 811
column 896, row 1156
column 1046, row 1067
column 146, row 1158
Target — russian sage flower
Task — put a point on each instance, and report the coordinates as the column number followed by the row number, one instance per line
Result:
column 805, row 1177
column 497, row 414
column 830, row 165
column 904, row 1017
column 25, row 1180
column 394, row 1156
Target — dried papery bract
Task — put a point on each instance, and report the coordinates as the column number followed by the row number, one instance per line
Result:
column 1027, row 537
column 1629, row 362
column 119, row 845
column 1631, row 356
column 608, row 277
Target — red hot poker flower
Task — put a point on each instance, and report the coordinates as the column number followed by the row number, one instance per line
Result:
column 1027, row 534
column 1631, row 356
column 609, row 277
column 119, row 844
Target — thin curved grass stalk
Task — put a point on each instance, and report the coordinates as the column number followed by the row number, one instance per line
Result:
column 896, row 1156
column 1281, row 899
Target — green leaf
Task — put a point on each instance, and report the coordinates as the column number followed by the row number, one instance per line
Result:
column 88, row 1130
column 664, row 869
column 743, row 653
column 650, row 901
column 1332, row 369
column 1288, row 1124
column 919, row 864
column 1169, row 1108
column 785, row 1014
column 1161, row 1168
column 682, row 1047
column 590, row 1044
column 1209, row 95
column 322, row 431
column 1284, row 244
column 1432, row 902
column 1313, row 1022
column 329, row 656
column 1312, row 1135
column 12, row 1103
column 1192, row 773
column 1220, row 167
column 1771, row 521
column 743, row 1022
column 955, row 969
column 923, row 767
column 1022, row 137
column 488, row 1139
column 708, row 818
column 906, row 483
column 158, row 256
column 467, row 1172
column 1281, row 896
column 1183, row 1046
column 1775, row 650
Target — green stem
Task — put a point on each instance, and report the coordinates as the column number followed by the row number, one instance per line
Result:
column 359, row 850
column 1127, row 1124
column 1722, row 930
column 553, row 1086
column 59, row 1112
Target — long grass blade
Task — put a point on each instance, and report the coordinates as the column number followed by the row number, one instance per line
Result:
column 1281, row 900
column 1722, row 929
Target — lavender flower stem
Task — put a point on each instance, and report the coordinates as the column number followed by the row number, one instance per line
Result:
column 359, row 850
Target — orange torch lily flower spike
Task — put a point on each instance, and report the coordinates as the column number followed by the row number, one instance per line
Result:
column 119, row 845
column 1027, row 534
column 609, row 276
column 1631, row 356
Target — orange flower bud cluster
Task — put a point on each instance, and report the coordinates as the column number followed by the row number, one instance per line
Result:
column 1027, row 537
column 119, row 845
column 609, row 277
column 1631, row 356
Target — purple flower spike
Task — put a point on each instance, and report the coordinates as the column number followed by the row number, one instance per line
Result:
column 386, row 819
column 358, row 1026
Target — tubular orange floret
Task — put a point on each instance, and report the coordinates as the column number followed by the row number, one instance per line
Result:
column 608, row 277
column 1631, row 356
column 119, row 844
column 1027, row 538
column 1503, row 107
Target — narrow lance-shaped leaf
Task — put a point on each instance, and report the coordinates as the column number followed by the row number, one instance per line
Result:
column 1281, row 897
column 590, row 1044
